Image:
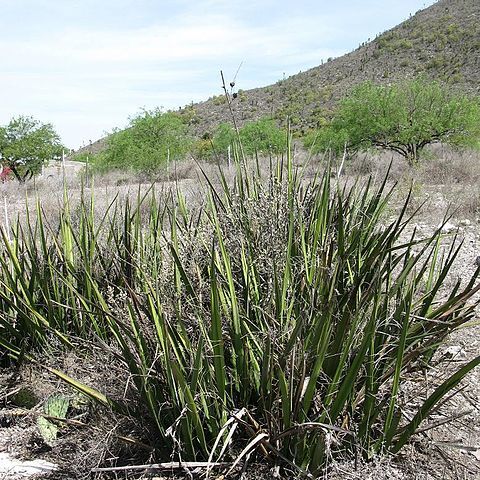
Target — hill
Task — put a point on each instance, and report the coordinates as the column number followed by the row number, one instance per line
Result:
column 441, row 42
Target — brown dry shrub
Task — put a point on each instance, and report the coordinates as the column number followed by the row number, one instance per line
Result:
column 440, row 165
column 450, row 166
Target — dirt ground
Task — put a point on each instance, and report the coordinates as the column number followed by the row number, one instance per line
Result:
column 449, row 451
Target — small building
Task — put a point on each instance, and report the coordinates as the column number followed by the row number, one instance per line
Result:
column 5, row 173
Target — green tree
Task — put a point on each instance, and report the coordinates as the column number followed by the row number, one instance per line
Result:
column 223, row 138
column 263, row 136
column 151, row 139
column 26, row 144
column 403, row 118
column 327, row 138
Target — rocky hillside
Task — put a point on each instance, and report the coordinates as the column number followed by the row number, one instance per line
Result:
column 442, row 42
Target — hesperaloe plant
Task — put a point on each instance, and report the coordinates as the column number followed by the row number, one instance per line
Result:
column 291, row 300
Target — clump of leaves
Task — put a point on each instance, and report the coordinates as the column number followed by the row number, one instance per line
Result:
column 55, row 406
column 284, row 311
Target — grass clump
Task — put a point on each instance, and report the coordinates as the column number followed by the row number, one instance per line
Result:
column 277, row 314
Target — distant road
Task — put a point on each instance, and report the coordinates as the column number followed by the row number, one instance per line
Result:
column 55, row 169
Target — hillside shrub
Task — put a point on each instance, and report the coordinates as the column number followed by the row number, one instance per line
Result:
column 152, row 138
column 403, row 118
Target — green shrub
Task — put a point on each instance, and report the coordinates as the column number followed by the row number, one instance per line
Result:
column 402, row 117
column 262, row 136
column 223, row 138
column 151, row 139
column 219, row 100
column 392, row 42
column 326, row 138
column 202, row 149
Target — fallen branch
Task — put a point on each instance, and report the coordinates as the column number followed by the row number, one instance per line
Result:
column 162, row 466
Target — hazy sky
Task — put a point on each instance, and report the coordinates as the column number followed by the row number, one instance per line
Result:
column 86, row 66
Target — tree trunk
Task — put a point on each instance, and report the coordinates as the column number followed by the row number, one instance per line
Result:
column 413, row 151
column 17, row 175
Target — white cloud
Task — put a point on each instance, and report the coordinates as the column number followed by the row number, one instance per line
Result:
column 86, row 77
column 202, row 39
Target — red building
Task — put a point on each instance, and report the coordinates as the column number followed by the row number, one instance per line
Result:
column 5, row 173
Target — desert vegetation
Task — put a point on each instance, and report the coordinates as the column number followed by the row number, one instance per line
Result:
column 262, row 137
column 277, row 319
column 26, row 144
column 156, row 139
column 152, row 139
column 215, row 294
column 403, row 118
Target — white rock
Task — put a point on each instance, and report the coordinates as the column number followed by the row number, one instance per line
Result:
column 455, row 351
column 10, row 466
column 447, row 228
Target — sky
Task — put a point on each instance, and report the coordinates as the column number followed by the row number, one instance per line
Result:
column 88, row 66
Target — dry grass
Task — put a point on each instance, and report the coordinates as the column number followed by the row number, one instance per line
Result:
column 189, row 176
column 440, row 165
column 445, row 180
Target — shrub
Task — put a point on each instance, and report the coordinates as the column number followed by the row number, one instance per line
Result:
column 219, row 100
column 276, row 315
column 151, row 139
column 403, row 118
column 263, row 136
column 223, row 138
column 326, row 139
